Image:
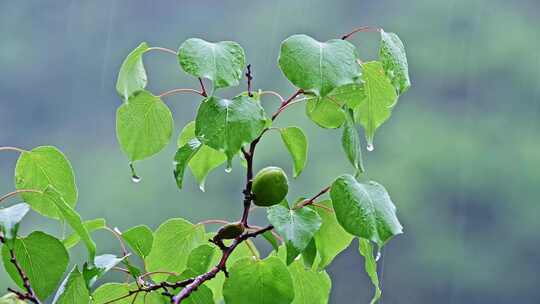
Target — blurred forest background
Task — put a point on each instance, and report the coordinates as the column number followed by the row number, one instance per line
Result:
column 460, row 155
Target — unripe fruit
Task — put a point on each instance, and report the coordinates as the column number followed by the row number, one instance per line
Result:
column 270, row 187
column 230, row 231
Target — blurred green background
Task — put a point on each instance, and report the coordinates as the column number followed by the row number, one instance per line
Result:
column 460, row 155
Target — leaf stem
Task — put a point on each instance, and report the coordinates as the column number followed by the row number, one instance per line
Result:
column 177, row 91
column 361, row 29
column 312, row 200
column 15, row 149
column 272, row 93
column 166, row 50
column 206, row 222
column 16, row 192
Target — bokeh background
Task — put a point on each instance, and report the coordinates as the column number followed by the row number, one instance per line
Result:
column 460, row 155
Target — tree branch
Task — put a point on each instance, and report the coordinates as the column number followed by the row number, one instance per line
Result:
column 199, row 280
column 249, row 79
column 30, row 295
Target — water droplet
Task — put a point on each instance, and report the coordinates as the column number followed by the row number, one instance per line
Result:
column 201, row 186
column 134, row 177
column 378, row 255
column 370, row 147
column 228, row 169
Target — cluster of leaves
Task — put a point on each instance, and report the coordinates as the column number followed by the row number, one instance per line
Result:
column 177, row 262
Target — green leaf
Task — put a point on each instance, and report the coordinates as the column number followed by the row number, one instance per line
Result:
column 10, row 218
column 73, row 289
column 132, row 75
column 39, row 168
column 370, row 264
column 200, row 259
column 296, row 226
column 140, row 239
column 114, row 291
column 364, row 209
column 73, row 219
column 331, row 239
column 265, row 281
column 222, row 62
column 310, row 253
column 182, row 158
column 90, row 225
column 310, row 286
column 327, row 111
column 227, row 125
column 174, row 238
column 144, row 125
column 379, row 100
column 394, row 61
column 350, row 141
column 318, row 67
column 296, row 142
column 205, row 159
column 43, row 259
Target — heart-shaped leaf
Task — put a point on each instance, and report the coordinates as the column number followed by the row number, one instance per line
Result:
column 144, row 126
column 310, row 286
column 140, row 239
column 296, row 226
column 380, row 98
column 174, row 238
column 394, row 61
column 227, row 125
column 222, row 62
column 259, row 281
column 364, row 209
column 39, row 168
column 318, row 67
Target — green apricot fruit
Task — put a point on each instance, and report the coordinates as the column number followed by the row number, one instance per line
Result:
column 270, row 187
column 230, row 231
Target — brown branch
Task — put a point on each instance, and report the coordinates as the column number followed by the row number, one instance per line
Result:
column 30, row 295
column 151, row 288
column 312, row 200
column 16, row 192
column 249, row 79
column 203, row 89
column 285, row 103
column 199, row 280
column 361, row 29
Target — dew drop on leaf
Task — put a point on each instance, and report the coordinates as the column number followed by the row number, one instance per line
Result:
column 370, row 147
column 378, row 255
column 228, row 169
column 134, row 177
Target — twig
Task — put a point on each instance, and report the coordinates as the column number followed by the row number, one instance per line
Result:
column 15, row 149
column 203, row 89
column 199, row 280
column 166, row 50
column 150, row 288
column 285, row 103
column 249, row 79
column 8, row 195
column 177, row 91
column 30, row 295
column 312, row 200
column 361, row 29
